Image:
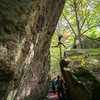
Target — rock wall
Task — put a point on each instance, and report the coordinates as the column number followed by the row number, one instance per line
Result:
column 81, row 84
column 81, row 75
column 76, row 90
column 26, row 29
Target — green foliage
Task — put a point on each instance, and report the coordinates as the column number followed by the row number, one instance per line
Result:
column 89, row 81
column 54, row 56
column 89, row 21
column 93, row 33
column 88, row 59
column 84, row 14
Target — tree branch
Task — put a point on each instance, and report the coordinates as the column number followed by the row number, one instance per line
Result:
column 69, row 25
column 84, row 20
column 89, row 29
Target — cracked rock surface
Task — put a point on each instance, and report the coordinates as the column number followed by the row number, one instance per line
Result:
column 26, row 30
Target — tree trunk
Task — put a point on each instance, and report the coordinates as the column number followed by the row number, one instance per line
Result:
column 74, row 43
column 26, row 30
column 78, row 24
column 80, row 41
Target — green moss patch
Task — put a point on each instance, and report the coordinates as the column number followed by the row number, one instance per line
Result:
column 89, row 81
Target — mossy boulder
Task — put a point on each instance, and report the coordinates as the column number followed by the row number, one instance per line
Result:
column 82, row 74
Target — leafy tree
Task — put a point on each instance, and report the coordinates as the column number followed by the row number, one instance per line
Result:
column 82, row 16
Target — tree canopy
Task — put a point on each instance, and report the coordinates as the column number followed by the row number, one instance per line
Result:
column 79, row 17
column 82, row 17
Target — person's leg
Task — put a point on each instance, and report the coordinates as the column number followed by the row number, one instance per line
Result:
column 62, row 93
column 54, row 91
column 59, row 94
column 63, row 45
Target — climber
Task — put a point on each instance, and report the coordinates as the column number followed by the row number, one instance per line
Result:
column 59, row 41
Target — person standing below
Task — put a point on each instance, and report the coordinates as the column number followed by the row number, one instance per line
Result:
column 60, row 87
column 53, row 83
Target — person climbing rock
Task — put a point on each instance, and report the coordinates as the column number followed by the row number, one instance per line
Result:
column 60, row 41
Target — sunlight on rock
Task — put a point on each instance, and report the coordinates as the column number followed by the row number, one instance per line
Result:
column 28, row 91
column 37, row 39
column 30, row 55
column 3, row 52
column 11, row 95
column 18, row 54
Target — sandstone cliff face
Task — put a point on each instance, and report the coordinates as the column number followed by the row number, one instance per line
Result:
column 26, row 29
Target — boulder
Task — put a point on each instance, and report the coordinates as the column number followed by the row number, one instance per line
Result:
column 26, row 30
